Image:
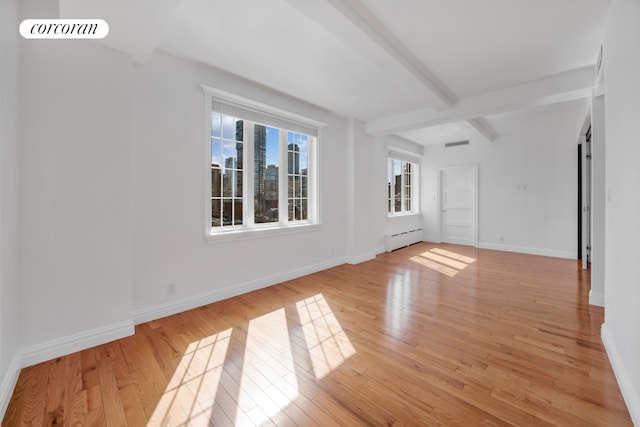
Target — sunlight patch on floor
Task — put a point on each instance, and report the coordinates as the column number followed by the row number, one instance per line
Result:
column 267, row 385
column 399, row 297
column 247, row 377
column 443, row 261
column 192, row 388
column 327, row 343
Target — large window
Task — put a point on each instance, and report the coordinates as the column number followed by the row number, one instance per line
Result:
column 263, row 168
column 401, row 184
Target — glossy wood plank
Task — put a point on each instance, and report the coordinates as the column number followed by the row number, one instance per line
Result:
column 427, row 335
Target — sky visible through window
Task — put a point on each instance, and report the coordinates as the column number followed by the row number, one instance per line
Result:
column 272, row 146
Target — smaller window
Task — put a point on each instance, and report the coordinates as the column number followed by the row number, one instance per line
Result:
column 401, row 185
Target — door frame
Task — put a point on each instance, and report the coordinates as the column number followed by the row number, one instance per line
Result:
column 439, row 202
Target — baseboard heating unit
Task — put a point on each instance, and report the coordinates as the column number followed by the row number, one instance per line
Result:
column 402, row 239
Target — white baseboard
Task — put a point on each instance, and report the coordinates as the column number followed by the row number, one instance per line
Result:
column 8, row 384
column 70, row 344
column 55, row 348
column 148, row 314
column 361, row 258
column 530, row 251
column 431, row 239
column 596, row 298
column 626, row 384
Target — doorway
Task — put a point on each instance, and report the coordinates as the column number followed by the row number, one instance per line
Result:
column 458, row 204
column 584, row 199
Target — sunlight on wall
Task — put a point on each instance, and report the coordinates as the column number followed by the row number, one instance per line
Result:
column 443, row 261
column 191, row 392
column 327, row 343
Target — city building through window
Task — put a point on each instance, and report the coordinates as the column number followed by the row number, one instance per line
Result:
column 263, row 167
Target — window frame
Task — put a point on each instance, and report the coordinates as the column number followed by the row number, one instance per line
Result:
column 395, row 154
column 272, row 117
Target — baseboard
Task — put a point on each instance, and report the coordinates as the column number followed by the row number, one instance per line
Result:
column 361, row 258
column 596, row 299
column 529, row 251
column 625, row 383
column 431, row 239
column 8, row 384
column 70, row 344
column 148, row 314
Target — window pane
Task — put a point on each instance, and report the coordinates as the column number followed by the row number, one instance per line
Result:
column 407, row 206
column 290, row 210
column 216, row 213
column 266, row 162
column 227, row 212
column 296, row 191
column 237, row 211
column 304, row 214
column 303, row 145
column 304, row 186
column 216, row 147
column 232, row 128
column 294, row 164
column 227, row 183
column 297, row 209
column 215, row 125
column 290, row 186
column 232, row 151
column 238, row 186
column 216, row 182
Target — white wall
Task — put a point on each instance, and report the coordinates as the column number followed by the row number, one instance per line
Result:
column 537, row 149
column 598, row 201
column 363, row 198
column 169, row 181
column 75, row 174
column 622, row 281
column 9, row 290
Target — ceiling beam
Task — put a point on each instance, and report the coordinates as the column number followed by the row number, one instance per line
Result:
column 484, row 128
column 570, row 85
column 354, row 25
column 362, row 18
column 135, row 27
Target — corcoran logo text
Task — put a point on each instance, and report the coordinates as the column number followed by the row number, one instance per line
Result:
column 64, row 29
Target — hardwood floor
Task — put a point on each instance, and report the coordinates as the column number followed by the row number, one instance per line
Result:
column 427, row 335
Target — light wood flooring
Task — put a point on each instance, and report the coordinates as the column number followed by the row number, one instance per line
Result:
column 428, row 335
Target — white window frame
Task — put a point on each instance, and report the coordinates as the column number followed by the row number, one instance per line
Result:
column 255, row 112
column 406, row 157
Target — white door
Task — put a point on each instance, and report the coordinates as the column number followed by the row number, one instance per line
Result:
column 458, row 204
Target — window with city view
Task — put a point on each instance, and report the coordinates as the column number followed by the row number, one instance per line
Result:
column 262, row 173
column 401, row 185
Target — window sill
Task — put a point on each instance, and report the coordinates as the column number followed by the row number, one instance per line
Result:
column 260, row 232
column 402, row 215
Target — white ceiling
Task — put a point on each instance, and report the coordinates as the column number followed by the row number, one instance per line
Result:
column 430, row 70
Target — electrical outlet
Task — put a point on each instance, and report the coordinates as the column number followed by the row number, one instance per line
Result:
column 502, row 238
column 171, row 288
